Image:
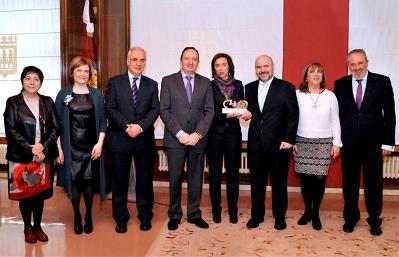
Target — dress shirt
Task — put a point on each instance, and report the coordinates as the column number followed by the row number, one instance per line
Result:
column 180, row 132
column 263, row 89
column 131, row 76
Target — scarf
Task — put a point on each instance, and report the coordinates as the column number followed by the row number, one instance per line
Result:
column 227, row 87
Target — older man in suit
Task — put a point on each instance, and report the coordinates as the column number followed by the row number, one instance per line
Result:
column 187, row 111
column 271, row 135
column 367, row 116
column 132, row 107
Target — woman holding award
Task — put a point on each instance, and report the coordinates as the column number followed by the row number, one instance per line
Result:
column 31, row 127
column 318, row 139
column 224, row 137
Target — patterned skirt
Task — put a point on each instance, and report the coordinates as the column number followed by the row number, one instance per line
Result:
column 313, row 156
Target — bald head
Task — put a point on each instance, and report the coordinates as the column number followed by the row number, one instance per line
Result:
column 264, row 67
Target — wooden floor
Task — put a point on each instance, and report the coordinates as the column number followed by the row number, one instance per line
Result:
column 104, row 241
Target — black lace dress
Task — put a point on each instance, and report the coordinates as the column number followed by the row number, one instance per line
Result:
column 83, row 135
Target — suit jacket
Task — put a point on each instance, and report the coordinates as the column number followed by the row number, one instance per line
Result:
column 374, row 124
column 220, row 123
column 20, row 128
column 277, row 122
column 121, row 110
column 177, row 113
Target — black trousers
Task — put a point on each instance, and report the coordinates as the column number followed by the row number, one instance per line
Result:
column 227, row 145
column 262, row 164
column 144, row 163
column 371, row 162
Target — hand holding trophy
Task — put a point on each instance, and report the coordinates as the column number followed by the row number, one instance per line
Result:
column 233, row 107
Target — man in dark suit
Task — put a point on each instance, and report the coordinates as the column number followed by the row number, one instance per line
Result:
column 132, row 107
column 271, row 135
column 367, row 116
column 187, row 111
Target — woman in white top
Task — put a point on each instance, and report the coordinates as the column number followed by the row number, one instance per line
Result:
column 318, row 139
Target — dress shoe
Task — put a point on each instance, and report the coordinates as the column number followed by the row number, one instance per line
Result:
column 40, row 235
column 78, row 228
column 348, row 227
column 173, row 224
column 121, row 228
column 316, row 223
column 233, row 219
column 253, row 223
column 199, row 222
column 88, row 228
column 304, row 219
column 375, row 230
column 280, row 225
column 30, row 236
column 145, row 225
column 217, row 218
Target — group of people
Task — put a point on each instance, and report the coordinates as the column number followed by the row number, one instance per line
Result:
column 308, row 122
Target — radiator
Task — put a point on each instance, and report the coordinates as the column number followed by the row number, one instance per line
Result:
column 391, row 167
column 163, row 163
column 390, row 164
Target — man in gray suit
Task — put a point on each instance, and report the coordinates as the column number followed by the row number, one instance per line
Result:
column 187, row 111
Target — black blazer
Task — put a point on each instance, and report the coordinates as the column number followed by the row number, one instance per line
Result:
column 121, row 110
column 374, row 124
column 220, row 123
column 20, row 128
column 277, row 122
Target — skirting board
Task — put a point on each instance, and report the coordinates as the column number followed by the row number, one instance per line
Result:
column 290, row 189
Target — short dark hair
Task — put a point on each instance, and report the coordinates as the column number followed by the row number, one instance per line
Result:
column 304, row 87
column 32, row 69
column 77, row 62
column 229, row 62
column 188, row 48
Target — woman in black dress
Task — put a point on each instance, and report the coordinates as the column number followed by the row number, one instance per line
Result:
column 31, row 128
column 83, row 126
column 224, row 137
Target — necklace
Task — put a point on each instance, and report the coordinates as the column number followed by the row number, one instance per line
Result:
column 314, row 103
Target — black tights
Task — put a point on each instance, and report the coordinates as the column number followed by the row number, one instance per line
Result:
column 29, row 206
column 79, row 186
column 313, row 187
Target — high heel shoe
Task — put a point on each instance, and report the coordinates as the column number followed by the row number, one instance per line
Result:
column 88, row 228
column 304, row 219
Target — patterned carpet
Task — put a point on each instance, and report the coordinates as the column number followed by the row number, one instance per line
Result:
column 227, row 239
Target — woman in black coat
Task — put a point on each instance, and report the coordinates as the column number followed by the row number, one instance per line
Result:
column 224, row 137
column 31, row 128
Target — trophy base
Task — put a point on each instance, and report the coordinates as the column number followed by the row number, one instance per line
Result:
column 233, row 110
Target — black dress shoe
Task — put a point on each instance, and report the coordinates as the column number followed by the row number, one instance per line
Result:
column 280, row 225
column 145, row 225
column 78, row 228
column 304, row 219
column 88, row 228
column 375, row 230
column 173, row 224
column 316, row 223
column 217, row 218
column 253, row 223
column 121, row 228
column 199, row 222
column 348, row 227
column 233, row 219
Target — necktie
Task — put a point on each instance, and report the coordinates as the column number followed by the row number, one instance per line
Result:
column 262, row 95
column 135, row 91
column 359, row 93
column 189, row 88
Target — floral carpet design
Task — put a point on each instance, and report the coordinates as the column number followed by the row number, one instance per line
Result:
column 226, row 239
